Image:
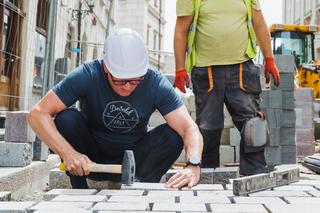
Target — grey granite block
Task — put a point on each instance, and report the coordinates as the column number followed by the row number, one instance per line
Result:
column 235, row 137
column 80, row 198
column 305, row 135
column 293, row 208
column 15, row 207
column 58, row 179
column 265, row 98
column 285, row 63
column 48, row 205
column 227, row 154
column 275, row 99
column 288, row 154
column 56, row 192
column 40, row 150
column 287, row 99
column 17, row 127
column 221, row 175
column 5, row 196
column 272, row 193
column 287, row 82
column 288, row 118
column 204, row 199
column 261, row 200
column 303, row 94
column 112, row 192
column 121, row 207
column 183, row 207
column 274, row 117
column 15, row 154
column 287, row 136
column 257, row 208
column 205, row 187
column 274, row 136
column 273, row 155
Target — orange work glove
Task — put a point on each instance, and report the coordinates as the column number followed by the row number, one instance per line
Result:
column 179, row 79
column 271, row 68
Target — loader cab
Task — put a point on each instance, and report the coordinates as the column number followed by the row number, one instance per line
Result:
column 296, row 43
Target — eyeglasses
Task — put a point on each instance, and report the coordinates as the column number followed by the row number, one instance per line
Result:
column 133, row 82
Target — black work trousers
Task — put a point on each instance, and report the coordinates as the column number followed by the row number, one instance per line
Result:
column 154, row 153
column 238, row 87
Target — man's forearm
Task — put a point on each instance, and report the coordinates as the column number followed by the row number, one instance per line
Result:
column 180, row 46
column 193, row 142
column 46, row 130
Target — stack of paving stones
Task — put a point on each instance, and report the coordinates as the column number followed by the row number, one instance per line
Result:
column 303, row 196
column 278, row 106
column 304, row 108
column 17, row 148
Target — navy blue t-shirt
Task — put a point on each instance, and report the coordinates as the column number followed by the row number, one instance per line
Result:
column 111, row 117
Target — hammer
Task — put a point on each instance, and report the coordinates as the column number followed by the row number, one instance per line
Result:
column 126, row 169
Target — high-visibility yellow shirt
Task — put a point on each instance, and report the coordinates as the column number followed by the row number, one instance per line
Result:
column 222, row 31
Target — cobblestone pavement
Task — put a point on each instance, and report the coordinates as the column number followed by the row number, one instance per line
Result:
column 303, row 196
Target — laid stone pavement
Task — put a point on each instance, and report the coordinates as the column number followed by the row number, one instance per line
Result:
column 302, row 196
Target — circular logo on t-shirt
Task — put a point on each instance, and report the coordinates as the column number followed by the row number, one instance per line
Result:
column 120, row 116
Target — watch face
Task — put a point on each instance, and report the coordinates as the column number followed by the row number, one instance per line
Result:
column 194, row 160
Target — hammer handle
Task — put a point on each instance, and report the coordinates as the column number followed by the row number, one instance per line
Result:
column 95, row 167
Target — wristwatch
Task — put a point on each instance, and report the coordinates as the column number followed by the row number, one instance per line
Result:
column 194, row 161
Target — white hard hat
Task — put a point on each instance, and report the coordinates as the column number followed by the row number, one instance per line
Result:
column 125, row 54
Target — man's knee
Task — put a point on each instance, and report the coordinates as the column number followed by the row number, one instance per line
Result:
column 68, row 119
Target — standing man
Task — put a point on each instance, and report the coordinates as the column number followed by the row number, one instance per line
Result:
column 117, row 97
column 225, row 40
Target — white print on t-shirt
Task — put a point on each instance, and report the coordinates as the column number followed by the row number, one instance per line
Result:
column 120, row 116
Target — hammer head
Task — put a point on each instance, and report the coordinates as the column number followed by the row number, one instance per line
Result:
column 128, row 168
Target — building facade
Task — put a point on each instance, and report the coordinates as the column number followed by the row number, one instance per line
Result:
column 76, row 30
column 303, row 12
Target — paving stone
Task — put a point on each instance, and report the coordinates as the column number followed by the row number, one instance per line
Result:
column 295, row 188
column 221, row 175
column 205, row 187
column 121, row 207
column 204, row 199
column 147, row 186
column 287, row 82
column 55, row 192
column 259, row 200
column 303, row 94
column 184, row 207
column 303, row 200
column 15, row 207
column 305, row 149
column 17, row 127
column 206, row 176
column 273, row 155
column 170, row 193
column 59, row 179
column 264, row 96
column 15, row 154
column 239, row 208
column 132, row 212
column 270, row 193
column 307, row 182
column 142, row 199
column 314, row 193
column 64, row 211
column 229, row 186
column 215, row 193
column 80, row 198
column 5, row 196
column 305, row 135
column 293, row 208
column 47, row 205
column 112, row 192
column 40, row 150
column 225, row 137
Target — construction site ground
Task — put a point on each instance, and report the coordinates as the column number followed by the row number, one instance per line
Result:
column 26, row 189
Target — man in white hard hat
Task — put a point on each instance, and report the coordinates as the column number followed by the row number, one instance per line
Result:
column 117, row 97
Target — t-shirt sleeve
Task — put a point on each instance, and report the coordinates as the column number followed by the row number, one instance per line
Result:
column 73, row 87
column 256, row 4
column 185, row 8
column 167, row 99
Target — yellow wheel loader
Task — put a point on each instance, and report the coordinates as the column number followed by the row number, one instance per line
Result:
column 298, row 40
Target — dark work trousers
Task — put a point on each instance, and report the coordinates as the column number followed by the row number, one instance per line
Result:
column 154, row 153
column 238, row 86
